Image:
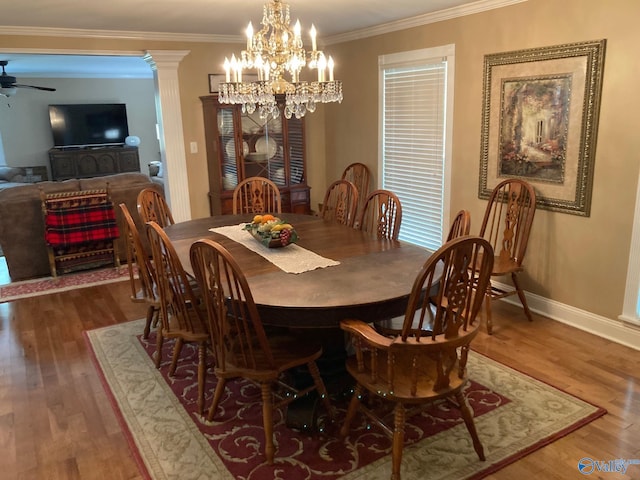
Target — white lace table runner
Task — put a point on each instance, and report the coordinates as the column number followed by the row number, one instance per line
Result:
column 291, row 259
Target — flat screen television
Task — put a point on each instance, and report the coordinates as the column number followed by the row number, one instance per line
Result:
column 88, row 124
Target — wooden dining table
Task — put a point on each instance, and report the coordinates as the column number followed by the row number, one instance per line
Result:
column 373, row 280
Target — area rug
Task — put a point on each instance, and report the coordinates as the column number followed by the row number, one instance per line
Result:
column 514, row 414
column 70, row 281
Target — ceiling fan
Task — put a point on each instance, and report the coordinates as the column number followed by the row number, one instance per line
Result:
column 8, row 85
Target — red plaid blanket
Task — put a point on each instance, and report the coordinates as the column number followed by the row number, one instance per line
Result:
column 77, row 220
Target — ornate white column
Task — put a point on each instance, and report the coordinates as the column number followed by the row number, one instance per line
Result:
column 164, row 64
column 631, row 305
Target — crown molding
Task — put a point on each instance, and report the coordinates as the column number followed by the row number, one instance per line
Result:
column 119, row 34
column 420, row 20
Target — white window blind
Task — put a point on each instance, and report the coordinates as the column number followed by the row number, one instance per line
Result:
column 414, row 99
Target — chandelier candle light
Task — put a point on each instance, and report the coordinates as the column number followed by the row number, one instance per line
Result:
column 272, row 51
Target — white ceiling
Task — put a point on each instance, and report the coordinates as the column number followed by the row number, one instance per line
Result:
column 221, row 17
column 222, row 20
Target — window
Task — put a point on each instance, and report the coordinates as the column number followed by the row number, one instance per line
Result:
column 416, row 101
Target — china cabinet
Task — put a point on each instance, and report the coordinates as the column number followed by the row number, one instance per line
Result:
column 241, row 145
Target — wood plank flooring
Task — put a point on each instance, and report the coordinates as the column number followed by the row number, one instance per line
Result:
column 56, row 421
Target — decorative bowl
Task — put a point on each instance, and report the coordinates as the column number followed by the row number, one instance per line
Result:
column 274, row 233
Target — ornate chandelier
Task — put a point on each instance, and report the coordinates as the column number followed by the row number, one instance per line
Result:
column 271, row 52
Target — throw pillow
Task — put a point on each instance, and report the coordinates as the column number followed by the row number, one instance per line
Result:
column 7, row 173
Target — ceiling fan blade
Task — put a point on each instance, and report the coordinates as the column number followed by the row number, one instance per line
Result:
column 35, row 87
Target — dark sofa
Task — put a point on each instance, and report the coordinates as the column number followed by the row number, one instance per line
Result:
column 22, row 226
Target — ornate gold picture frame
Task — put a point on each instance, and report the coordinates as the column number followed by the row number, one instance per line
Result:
column 540, row 121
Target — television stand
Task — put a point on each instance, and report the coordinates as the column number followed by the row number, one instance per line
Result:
column 92, row 161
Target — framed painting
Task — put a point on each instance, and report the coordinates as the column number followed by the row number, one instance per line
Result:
column 214, row 81
column 540, row 120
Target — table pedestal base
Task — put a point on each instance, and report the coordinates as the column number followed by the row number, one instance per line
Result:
column 307, row 413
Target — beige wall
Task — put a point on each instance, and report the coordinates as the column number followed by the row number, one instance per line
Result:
column 578, row 261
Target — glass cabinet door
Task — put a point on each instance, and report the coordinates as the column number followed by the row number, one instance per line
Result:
column 264, row 145
column 228, row 158
column 295, row 144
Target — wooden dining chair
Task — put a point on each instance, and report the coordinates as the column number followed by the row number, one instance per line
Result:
column 141, row 272
column 241, row 347
column 381, row 215
column 460, row 226
column 506, row 225
column 181, row 316
column 153, row 207
column 256, row 195
column 416, row 369
column 340, row 203
column 358, row 174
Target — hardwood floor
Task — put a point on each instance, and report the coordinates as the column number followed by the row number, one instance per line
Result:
column 56, row 421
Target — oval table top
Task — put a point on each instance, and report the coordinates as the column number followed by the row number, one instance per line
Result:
column 372, row 282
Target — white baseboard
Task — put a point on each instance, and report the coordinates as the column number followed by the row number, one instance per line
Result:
column 614, row 330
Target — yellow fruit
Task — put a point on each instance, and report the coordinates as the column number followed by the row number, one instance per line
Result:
column 277, row 228
column 257, row 219
column 286, row 226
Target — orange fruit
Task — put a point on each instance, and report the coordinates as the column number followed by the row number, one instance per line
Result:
column 267, row 218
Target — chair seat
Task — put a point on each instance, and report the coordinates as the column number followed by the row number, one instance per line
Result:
column 287, row 353
column 196, row 334
column 402, row 386
column 504, row 266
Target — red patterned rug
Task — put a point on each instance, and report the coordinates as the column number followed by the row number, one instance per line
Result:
column 514, row 414
column 70, row 281
column 237, row 432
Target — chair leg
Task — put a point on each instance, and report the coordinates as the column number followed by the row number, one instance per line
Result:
column 202, row 372
column 176, row 354
column 52, row 262
column 398, row 440
column 468, row 421
column 159, row 344
column 351, row 411
column 217, row 396
column 487, row 309
column 156, row 316
column 267, row 419
column 462, row 363
column 523, row 299
column 147, row 325
column 320, row 387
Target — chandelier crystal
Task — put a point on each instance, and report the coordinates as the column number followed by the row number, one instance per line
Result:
column 272, row 52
